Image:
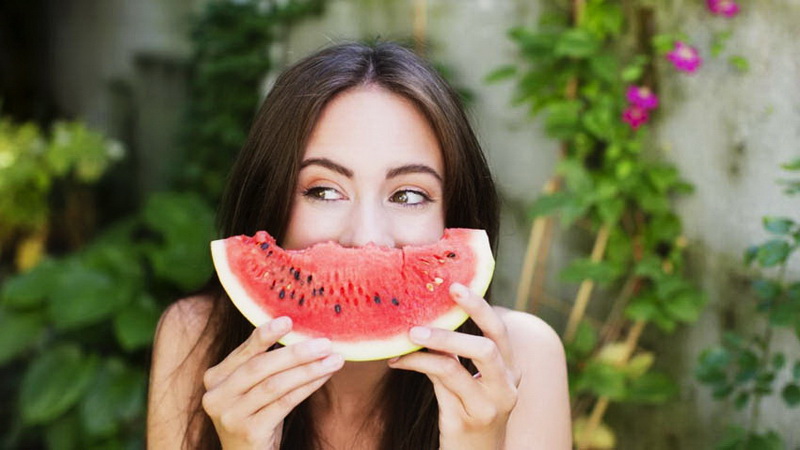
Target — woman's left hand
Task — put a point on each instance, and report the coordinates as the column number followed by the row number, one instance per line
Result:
column 473, row 410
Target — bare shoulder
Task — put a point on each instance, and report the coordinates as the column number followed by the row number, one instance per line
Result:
column 541, row 417
column 530, row 334
column 176, row 370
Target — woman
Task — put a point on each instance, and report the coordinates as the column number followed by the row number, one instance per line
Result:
column 357, row 144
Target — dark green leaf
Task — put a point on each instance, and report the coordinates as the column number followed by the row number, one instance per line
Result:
column 685, row 307
column 581, row 269
column 741, row 400
column 603, row 380
column 28, row 290
column 778, row 225
column 773, row 252
column 766, row 289
column 135, row 324
column 54, row 382
column 778, row 361
column 117, row 395
column 63, row 433
column 18, row 332
column 604, row 67
column 642, row 308
column 750, row 254
column 767, row 441
column 651, row 387
column 791, row 395
column 85, row 296
column 721, row 391
column 611, row 210
column 796, row 371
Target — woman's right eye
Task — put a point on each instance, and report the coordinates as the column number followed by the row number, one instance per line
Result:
column 322, row 193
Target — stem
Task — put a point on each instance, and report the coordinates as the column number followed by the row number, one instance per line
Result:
column 533, row 259
column 420, row 25
column 585, row 291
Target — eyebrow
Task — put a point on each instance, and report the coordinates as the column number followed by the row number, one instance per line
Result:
column 391, row 173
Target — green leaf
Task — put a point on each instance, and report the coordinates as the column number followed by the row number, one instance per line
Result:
column 605, row 67
column 85, row 296
column 63, row 433
column 603, row 380
column 778, row 361
column 18, row 332
column 501, row 73
column 651, row 388
column 576, row 43
column 549, row 204
column 712, row 365
column 740, row 63
column 54, row 382
column 741, row 400
column 642, row 308
column 611, row 210
column 773, row 252
column 135, row 324
column 767, row 289
column 750, row 255
column 793, row 165
column 563, row 119
column 767, row 441
column 585, row 339
column 796, row 371
column 117, row 395
column 29, row 290
column 580, row 269
column 733, row 438
column 685, row 307
column 791, row 395
column 779, row 225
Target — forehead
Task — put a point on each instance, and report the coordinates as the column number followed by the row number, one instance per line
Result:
column 371, row 124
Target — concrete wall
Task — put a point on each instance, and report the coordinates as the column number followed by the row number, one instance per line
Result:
column 727, row 133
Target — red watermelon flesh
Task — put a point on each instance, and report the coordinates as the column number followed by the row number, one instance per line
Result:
column 364, row 299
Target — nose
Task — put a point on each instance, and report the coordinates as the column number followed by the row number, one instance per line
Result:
column 368, row 223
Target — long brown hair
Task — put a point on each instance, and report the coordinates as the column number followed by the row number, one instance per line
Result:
column 259, row 197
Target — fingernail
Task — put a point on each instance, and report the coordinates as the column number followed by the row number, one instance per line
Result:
column 420, row 334
column 394, row 360
column 318, row 345
column 459, row 290
column 332, row 360
column 280, row 324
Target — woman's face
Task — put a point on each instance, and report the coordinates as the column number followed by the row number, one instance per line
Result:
column 372, row 172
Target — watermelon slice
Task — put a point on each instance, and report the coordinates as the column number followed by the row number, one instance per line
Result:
column 363, row 299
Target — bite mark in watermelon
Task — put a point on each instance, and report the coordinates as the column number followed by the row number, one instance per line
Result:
column 363, row 299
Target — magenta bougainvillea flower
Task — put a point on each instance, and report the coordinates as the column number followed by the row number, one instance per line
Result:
column 642, row 97
column 635, row 116
column 727, row 8
column 685, row 57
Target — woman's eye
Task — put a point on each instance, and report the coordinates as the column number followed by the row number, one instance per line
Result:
column 409, row 197
column 323, row 193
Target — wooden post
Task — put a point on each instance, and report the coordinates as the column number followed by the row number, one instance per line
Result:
column 585, row 291
column 532, row 255
column 420, row 25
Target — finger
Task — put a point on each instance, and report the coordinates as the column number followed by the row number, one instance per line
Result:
column 481, row 350
column 484, row 317
column 451, row 374
column 271, row 389
column 269, row 416
column 266, row 364
column 259, row 341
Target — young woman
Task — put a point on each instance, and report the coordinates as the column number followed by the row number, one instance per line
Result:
column 357, row 144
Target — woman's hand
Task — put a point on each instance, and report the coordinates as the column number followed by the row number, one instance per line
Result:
column 473, row 411
column 250, row 392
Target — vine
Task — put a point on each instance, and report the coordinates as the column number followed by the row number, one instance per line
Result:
column 591, row 69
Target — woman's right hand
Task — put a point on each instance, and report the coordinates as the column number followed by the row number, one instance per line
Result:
column 251, row 391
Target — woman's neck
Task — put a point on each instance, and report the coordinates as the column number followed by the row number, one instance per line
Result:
column 351, row 392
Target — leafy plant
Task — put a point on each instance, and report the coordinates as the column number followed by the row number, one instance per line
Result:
column 744, row 369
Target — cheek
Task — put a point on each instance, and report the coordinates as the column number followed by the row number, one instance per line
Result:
column 310, row 224
column 419, row 229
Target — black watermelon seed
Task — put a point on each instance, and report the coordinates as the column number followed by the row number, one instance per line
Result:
column 313, row 292
column 321, row 290
column 269, row 253
column 273, row 284
column 451, row 255
column 297, row 275
column 291, row 269
column 302, row 300
column 308, row 279
column 264, row 246
column 291, row 296
column 281, row 294
column 337, row 308
column 395, row 302
column 377, row 299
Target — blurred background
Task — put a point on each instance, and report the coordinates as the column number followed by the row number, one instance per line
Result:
column 647, row 153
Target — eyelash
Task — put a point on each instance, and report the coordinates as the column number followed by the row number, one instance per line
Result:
column 314, row 192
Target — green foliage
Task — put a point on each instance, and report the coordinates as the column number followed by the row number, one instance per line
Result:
column 231, row 43
column 80, row 325
column 745, row 368
column 31, row 162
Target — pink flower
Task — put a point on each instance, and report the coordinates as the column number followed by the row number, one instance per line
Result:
column 635, row 116
column 684, row 57
column 642, row 97
column 727, row 8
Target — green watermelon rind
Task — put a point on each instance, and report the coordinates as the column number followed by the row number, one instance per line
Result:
column 363, row 350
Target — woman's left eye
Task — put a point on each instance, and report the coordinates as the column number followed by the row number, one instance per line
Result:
column 409, row 197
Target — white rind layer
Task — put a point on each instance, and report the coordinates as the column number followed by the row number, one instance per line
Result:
column 361, row 350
